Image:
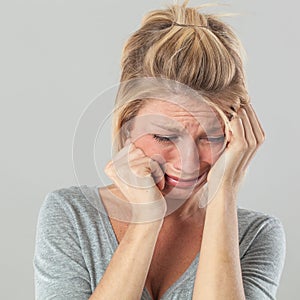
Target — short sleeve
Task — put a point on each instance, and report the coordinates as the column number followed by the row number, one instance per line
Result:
column 59, row 267
column 263, row 262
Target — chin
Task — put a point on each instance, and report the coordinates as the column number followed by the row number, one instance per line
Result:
column 176, row 197
column 181, row 194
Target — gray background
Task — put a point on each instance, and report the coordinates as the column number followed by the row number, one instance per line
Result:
column 57, row 56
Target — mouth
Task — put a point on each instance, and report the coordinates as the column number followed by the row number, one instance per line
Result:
column 184, row 183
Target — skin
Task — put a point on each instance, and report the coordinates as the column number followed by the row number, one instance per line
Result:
column 184, row 154
column 146, row 161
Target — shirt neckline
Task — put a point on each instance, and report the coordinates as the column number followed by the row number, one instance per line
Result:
column 183, row 277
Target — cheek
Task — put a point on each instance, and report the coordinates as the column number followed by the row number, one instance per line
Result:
column 170, row 153
column 208, row 157
column 151, row 147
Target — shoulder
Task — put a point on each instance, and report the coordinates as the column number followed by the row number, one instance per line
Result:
column 74, row 204
column 63, row 249
column 249, row 218
column 259, row 229
column 262, row 253
column 66, row 195
column 74, row 197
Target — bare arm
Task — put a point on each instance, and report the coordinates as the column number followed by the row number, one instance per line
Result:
column 219, row 273
column 127, row 271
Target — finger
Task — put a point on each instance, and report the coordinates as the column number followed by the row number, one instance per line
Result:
column 157, row 160
column 256, row 126
column 128, row 152
column 108, row 168
column 115, row 167
column 234, row 153
column 158, row 174
column 146, row 166
column 238, row 139
column 257, row 130
column 250, row 140
column 122, row 153
column 161, row 163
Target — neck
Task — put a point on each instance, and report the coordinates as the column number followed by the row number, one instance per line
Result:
column 188, row 211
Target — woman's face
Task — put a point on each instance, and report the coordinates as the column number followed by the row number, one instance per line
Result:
column 186, row 141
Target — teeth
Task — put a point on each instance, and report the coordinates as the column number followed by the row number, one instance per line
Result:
column 183, row 183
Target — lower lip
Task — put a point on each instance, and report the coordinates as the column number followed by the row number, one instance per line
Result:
column 183, row 183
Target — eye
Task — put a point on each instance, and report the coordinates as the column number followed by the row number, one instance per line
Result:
column 213, row 139
column 164, row 139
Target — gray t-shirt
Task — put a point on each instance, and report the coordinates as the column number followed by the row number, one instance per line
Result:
column 75, row 243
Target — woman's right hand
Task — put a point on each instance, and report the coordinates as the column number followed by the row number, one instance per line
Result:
column 140, row 179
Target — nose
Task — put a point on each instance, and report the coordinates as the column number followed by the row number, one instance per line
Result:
column 188, row 159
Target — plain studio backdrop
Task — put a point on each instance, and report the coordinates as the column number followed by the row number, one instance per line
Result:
column 59, row 67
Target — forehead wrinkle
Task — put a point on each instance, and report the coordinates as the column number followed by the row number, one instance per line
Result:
column 169, row 106
column 201, row 117
column 194, row 127
column 185, row 119
column 206, row 121
column 169, row 127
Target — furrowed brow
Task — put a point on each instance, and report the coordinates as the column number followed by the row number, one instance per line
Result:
column 169, row 127
column 172, row 128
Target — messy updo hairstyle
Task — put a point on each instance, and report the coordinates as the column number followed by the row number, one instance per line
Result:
column 183, row 44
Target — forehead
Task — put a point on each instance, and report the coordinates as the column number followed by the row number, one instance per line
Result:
column 187, row 112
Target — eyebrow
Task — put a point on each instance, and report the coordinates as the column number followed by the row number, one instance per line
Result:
column 169, row 127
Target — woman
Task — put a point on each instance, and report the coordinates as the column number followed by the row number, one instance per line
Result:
column 169, row 226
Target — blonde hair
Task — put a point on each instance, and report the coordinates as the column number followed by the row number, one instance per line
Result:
column 182, row 44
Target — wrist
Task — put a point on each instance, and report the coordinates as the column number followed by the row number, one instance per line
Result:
column 149, row 212
column 224, row 195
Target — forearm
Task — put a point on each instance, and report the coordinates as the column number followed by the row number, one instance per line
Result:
column 126, row 273
column 219, row 272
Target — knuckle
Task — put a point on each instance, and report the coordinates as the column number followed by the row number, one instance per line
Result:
column 261, row 139
column 139, row 152
column 243, row 146
column 252, row 144
column 152, row 163
column 141, row 171
column 109, row 170
column 262, row 136
column 260, row 142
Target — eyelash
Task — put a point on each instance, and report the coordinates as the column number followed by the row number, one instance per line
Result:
column 168, row 139
column 164, row 139
column 218, row 139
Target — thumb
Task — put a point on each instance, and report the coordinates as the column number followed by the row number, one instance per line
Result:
column 159, row 175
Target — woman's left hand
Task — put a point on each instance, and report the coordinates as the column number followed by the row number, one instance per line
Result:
column 246, row 136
